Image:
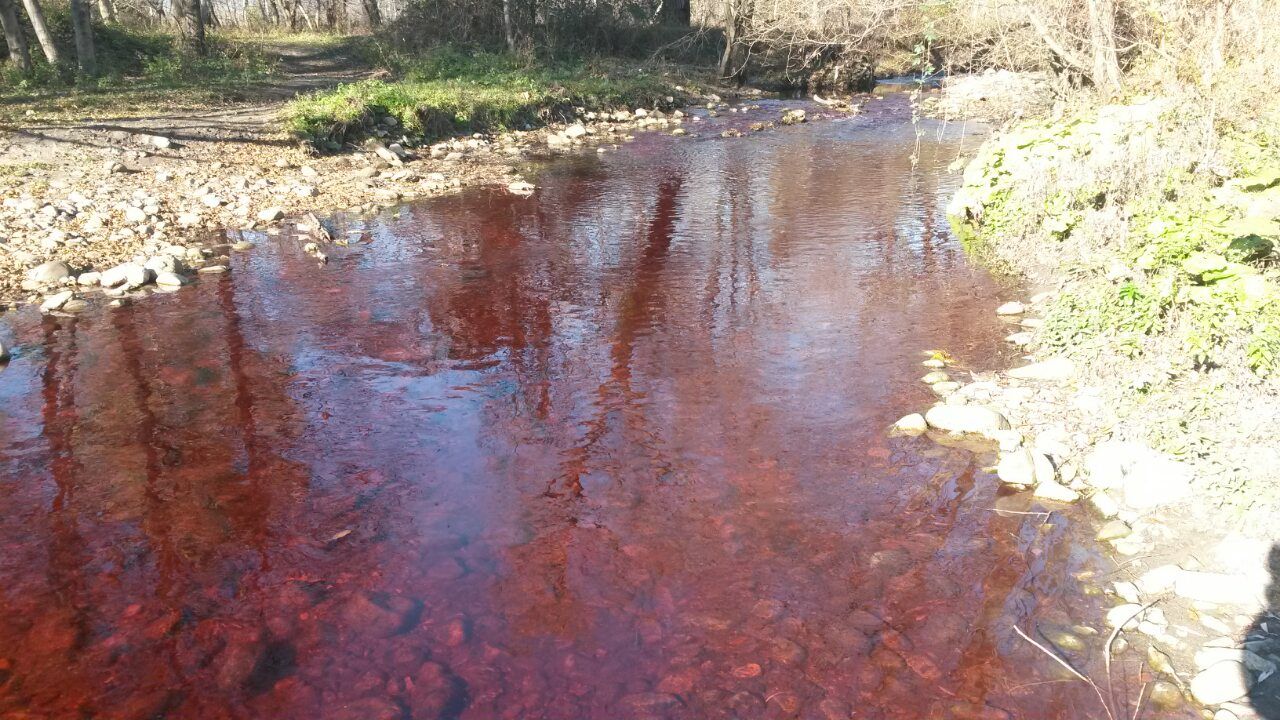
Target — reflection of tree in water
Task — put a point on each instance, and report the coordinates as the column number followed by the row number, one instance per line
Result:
column 157, row 505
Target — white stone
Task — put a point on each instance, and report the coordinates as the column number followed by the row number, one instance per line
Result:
column 135, row 215
column 89, row 278
column 128, row 275
column 1220, row 588
column 56, row 301
column 1104, row 504
column 160, row 142
column 1219, row 683
column 1159, row 579
column 1052, row 370
column 211, row 200
column 1126, row 591
column 945, row 388
column 913, row 424
column 1129, row 614
column 169, row 279
column 520, row 187
column 935, row 377
column 1055, row 491
column 575, row 131
column 974, row 419
column 1017, row 468
column 270, row 214
column 1146, row 478
column 1011, row 308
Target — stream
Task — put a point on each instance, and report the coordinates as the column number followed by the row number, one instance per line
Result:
column 616, row 450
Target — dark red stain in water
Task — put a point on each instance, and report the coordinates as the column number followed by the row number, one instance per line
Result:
column 616, row 451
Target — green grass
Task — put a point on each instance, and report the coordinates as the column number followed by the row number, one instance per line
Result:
column 446, row 93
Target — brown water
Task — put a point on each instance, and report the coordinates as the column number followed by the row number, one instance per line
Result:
column 617, row 450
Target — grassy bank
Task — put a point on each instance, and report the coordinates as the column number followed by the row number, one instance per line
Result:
column 1157, row 223
column 445, row 93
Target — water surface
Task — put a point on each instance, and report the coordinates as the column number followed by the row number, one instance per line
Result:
column 616, row 450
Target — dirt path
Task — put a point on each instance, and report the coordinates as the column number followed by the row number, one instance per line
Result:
column 251, row 118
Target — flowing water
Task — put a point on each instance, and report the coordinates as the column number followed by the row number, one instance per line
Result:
column 616, row 450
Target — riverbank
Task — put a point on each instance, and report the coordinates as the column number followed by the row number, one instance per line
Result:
column 84, row 198
column 1149, row 389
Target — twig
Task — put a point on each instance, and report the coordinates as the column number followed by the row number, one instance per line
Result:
column 1105, row 705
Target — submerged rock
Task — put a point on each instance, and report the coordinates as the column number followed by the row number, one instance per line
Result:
column 1011, row 308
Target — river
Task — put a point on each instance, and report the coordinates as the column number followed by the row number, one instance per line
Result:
column 616, row 450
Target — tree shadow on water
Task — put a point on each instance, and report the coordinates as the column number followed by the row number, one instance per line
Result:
column 1261, row 649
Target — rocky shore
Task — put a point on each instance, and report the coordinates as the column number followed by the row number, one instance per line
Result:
column 1190, row 600
column 145, row 212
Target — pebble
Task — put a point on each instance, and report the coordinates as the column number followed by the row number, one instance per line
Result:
column 1219, row 683
column 271, row 214
column 213, row 269
column 1011, row 308
column 935, row 377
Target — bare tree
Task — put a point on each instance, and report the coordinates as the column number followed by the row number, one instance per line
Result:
column 36, row 14
column 19, row 54
column 190, row 18
column 82, row 27
column 1102, row 39
column 373, row 13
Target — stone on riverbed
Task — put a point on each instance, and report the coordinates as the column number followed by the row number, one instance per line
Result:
column 271, row 214
column 1025, row 468
column 130, row 275
column 913, row 424
column 1114, row 530
column 1011, row 308
column 56, row 301
column 1220, row 683
column 1055, row 491
column 1051, row 370
column 971, row 419
column 935, row 377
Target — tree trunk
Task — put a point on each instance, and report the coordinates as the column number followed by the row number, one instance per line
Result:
column 507, row 30
column 1102, row 40
column 730, row 35
column 373, row 13
column 36, row 14
column 19, row 54
column 82, row 27
column 190, row 18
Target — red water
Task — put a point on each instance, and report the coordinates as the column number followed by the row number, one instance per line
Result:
column 617, row 450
